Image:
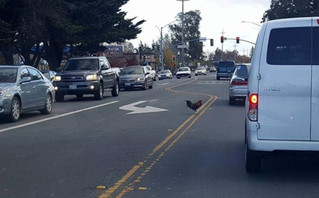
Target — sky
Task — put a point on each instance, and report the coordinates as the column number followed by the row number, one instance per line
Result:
column 217, row 16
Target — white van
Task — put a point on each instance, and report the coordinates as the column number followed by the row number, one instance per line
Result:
column 282, row 107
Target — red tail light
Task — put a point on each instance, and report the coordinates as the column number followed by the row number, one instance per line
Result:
column 253, row 107
column 237, row 82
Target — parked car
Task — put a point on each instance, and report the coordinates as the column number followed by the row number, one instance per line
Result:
column 135, row 77
column 183, row 72
column 22, row 89
column 86, row 75
column 49, row 74
column 200, row 71
column 151, row 71
column 238, row 84
column 212, row 69
column 165, row 74
column 225, row 69
column 283, row 85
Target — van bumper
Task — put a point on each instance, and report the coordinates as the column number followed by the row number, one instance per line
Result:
column 276, row 145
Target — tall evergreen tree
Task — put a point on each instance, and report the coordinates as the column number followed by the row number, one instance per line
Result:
column 191, row 33
column 289, row 9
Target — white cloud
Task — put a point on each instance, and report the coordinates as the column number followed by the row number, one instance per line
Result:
column 217, row 15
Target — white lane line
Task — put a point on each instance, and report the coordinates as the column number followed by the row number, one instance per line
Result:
column 55, row 117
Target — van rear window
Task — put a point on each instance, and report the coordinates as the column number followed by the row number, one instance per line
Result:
column 289, row 46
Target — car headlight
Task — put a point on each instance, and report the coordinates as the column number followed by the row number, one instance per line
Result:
column 57, row 78
column 139, row 79
column 2, row 93
column 91, row 77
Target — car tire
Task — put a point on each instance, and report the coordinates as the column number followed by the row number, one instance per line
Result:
column 145, row 85
column 151, row 86
column 48, row 105
column 252, row 159
column 218, row 78
column 189, row 76
column 231, row 101
column 116, row 89
column 15, row 110
column 178, row 77
column 79, row 96
column 59, row 97
column 99, row 92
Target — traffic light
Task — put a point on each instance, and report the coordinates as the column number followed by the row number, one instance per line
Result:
column 222, row 39
column 211, row 42
column 174, row 58
column 237, row 39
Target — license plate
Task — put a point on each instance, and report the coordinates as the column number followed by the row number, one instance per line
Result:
column 72, row 86
column 127, row 84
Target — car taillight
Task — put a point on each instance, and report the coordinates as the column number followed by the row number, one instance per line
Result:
column 253, row 107
column 239, row 82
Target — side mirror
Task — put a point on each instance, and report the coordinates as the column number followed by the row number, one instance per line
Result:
column 25, row 79
column 105, row 67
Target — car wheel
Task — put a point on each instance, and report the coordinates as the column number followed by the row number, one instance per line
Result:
column 145, row 85
column 253, row 160
column 59, row 97
column 48, row 105
column 231, row 100
column 151, row 86
column 178, row 77
column 15, row 110
column 99, row 92
column 116, row 89
column 189, row 76
column 79, row 96
column 218, row 78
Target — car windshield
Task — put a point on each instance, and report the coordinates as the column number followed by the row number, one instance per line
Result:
column 131, row 70
column 165, row 72
column 8, row 75
column 82, row 64
column 242, row 71
column 183, row 69
column 200, row 68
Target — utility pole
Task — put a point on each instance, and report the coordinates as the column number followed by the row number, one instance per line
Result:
column 182, row 30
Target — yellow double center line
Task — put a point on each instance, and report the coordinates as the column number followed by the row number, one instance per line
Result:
column 150, row 161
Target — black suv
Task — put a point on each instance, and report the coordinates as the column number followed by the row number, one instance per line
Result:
column 86, row 75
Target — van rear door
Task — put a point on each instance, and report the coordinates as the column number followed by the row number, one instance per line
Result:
column 285, row 81
column 315, row 83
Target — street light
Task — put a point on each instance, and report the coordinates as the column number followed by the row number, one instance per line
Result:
column 182, row 30
column 162, row 53
column 251, row 23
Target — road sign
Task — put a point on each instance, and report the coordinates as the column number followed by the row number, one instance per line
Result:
column 182, row 46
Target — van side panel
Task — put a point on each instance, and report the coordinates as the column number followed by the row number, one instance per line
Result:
column 285, row 84
column 315, row 83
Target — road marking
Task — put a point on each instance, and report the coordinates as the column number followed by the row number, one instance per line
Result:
column 137, row 110
column 191, row 120
column 163, row 83
column 55, row 117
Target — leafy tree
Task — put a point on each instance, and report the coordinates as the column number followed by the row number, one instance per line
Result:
column 44, row 28
column 290, row 9
column 191, row 34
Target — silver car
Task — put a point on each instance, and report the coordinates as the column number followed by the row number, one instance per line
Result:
column 238, row 84
column 22, row 89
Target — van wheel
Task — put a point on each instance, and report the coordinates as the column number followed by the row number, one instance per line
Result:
column 253, row 160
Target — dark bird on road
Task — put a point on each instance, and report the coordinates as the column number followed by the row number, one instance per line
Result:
column 195, row 105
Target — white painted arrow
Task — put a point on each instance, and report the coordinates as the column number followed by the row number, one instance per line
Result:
column 136, row 110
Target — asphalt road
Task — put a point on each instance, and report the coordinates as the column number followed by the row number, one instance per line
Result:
column 144, row 144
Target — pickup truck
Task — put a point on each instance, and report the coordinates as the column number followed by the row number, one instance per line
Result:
column 86, row 75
